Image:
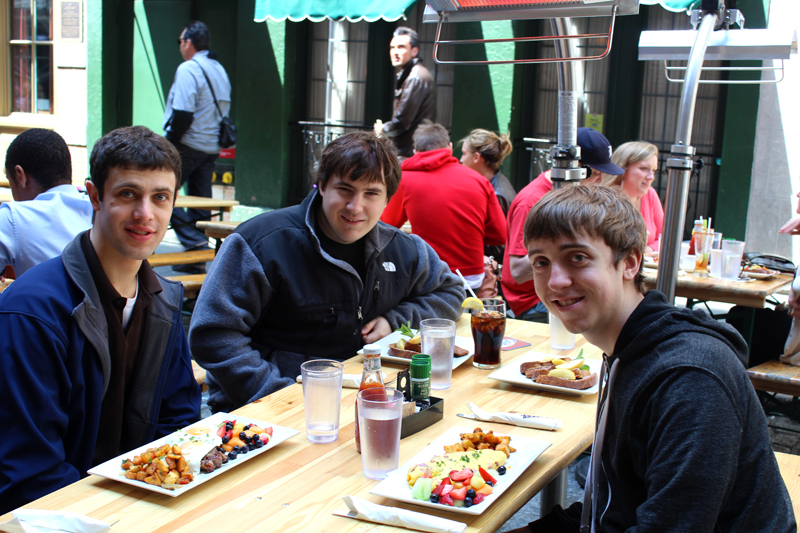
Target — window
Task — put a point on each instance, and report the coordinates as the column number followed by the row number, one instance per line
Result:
column 32, row 56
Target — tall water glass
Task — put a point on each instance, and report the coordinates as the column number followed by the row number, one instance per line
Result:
column 322, row 394
column 560, row 338
column 438, row 340
column 732, row 252
column 488, row 328
column 379, row 420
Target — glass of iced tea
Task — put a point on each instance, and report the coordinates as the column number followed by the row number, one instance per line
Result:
column 488, row 328
column 702, row 251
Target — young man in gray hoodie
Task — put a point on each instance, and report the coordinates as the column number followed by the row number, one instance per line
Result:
column 681, row 442
column 316, row 280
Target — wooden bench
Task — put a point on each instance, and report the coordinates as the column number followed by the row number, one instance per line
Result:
column 192, row 283
column 181, row 258
column 774, row 376
column 200, row 376
column 790, row 472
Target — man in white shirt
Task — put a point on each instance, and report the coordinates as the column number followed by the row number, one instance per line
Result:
column 49, row 211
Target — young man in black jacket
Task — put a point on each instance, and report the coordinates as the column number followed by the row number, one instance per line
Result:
column 681, row 442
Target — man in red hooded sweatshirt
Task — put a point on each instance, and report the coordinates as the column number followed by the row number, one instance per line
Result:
column 450, row 206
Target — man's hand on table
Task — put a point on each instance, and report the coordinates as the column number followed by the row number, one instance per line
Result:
column 375, row 330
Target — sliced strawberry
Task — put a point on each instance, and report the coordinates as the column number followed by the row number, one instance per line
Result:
column 229, row 434
column 221, row 430
column 446, row 489
column 446, row 481
column 458, row 494
column 438, row 489
column 485, row 475
column 268, row 431
column 446, row 500
column 264, row 438
column 479, row 497
column 464, row 475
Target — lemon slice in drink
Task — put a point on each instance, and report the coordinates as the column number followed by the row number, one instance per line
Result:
column 472, row 303
column 570, row 365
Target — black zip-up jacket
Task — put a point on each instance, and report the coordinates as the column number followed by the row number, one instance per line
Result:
column 274, row 299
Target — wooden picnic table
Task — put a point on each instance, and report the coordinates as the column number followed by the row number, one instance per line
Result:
column 296, row 486
column 217, row 229
column 4, row 182
column 748, row 294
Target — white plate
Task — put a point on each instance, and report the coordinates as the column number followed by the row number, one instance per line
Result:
column 461, row 342
column 111, row 468
column 759, row 275
column 510, row 374
column 396, row 485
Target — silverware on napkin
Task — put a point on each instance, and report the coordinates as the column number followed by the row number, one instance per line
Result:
column 514, row 419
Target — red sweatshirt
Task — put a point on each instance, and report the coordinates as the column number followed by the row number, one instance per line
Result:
column 450, row 206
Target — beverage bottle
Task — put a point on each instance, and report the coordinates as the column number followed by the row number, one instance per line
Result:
column 698, row 226
column 371, row 378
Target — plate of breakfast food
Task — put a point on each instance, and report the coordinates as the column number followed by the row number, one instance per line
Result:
column 566, row 375
column 399, row 347
column 452, row 474
column 758, row 272
column 191, row 456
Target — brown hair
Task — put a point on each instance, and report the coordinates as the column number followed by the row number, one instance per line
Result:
column 600, row 212
column 628, row 154
column 132, row 148
column 492, row 147
column 429, row 136
column 360, row 155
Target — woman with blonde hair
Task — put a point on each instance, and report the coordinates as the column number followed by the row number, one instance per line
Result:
column 640, row 161
column 484, row 151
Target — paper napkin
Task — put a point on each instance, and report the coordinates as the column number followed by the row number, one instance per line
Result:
column 349, row 381
column 394, row 516
column 39, row 521
column 516, row 419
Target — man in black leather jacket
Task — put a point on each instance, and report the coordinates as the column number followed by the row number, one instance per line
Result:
column 414, row 95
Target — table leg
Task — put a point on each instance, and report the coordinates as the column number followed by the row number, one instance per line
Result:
column 554, row 493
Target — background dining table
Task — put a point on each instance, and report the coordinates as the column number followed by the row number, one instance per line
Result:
column 297, row 485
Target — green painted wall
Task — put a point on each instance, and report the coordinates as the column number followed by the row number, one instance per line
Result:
column 739, row 137
column 268, row 87
column 483, row 93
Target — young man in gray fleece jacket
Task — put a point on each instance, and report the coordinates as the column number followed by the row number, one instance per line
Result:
column 316, row 280
column 681, row 442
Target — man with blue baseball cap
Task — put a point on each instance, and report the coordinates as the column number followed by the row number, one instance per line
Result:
column 517, row 280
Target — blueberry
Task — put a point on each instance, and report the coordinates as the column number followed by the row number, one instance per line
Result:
column 501, row 470
column 225, row 440
column 228, row 426
column 259, row 443
column 490, row 483
column 434, row 498
column 471, row 493
column 247, row 427
column 251, row 446
column 237, row 449
column 467, row 502
column 231, row 455
column 243, row 435
column 244, row 449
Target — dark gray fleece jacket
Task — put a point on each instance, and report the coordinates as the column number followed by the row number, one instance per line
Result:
column 686, row 445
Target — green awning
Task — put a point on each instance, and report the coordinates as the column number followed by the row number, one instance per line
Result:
column 319, row 10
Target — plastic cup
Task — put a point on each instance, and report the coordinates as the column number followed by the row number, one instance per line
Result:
column 379, row 420
column 732, row 252
column 560, row 338
column 684, row 249
column 702, row 252
column 488, row 328
column 717, row 244
column 715, row 264
column 322, row 394
column 687, row 263
column 438, row 340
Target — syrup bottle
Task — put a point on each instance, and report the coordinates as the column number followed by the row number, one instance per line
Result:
column 371, row 378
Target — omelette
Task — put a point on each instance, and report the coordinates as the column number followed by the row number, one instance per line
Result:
column 440, row 466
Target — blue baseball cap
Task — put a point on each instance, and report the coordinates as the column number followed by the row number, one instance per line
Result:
column 596, row 151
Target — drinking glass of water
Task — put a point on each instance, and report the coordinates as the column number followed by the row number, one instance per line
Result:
column 438, row 340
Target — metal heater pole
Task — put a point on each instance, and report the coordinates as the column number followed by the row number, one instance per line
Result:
column 680, row 164
column 566, row 154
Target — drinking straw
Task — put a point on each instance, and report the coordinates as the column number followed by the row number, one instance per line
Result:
column 460, row 275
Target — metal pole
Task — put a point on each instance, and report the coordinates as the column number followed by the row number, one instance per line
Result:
column 680, row 164
column 566, row 154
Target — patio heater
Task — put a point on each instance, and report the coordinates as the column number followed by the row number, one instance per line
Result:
column 566, row 153
column 711, row 39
